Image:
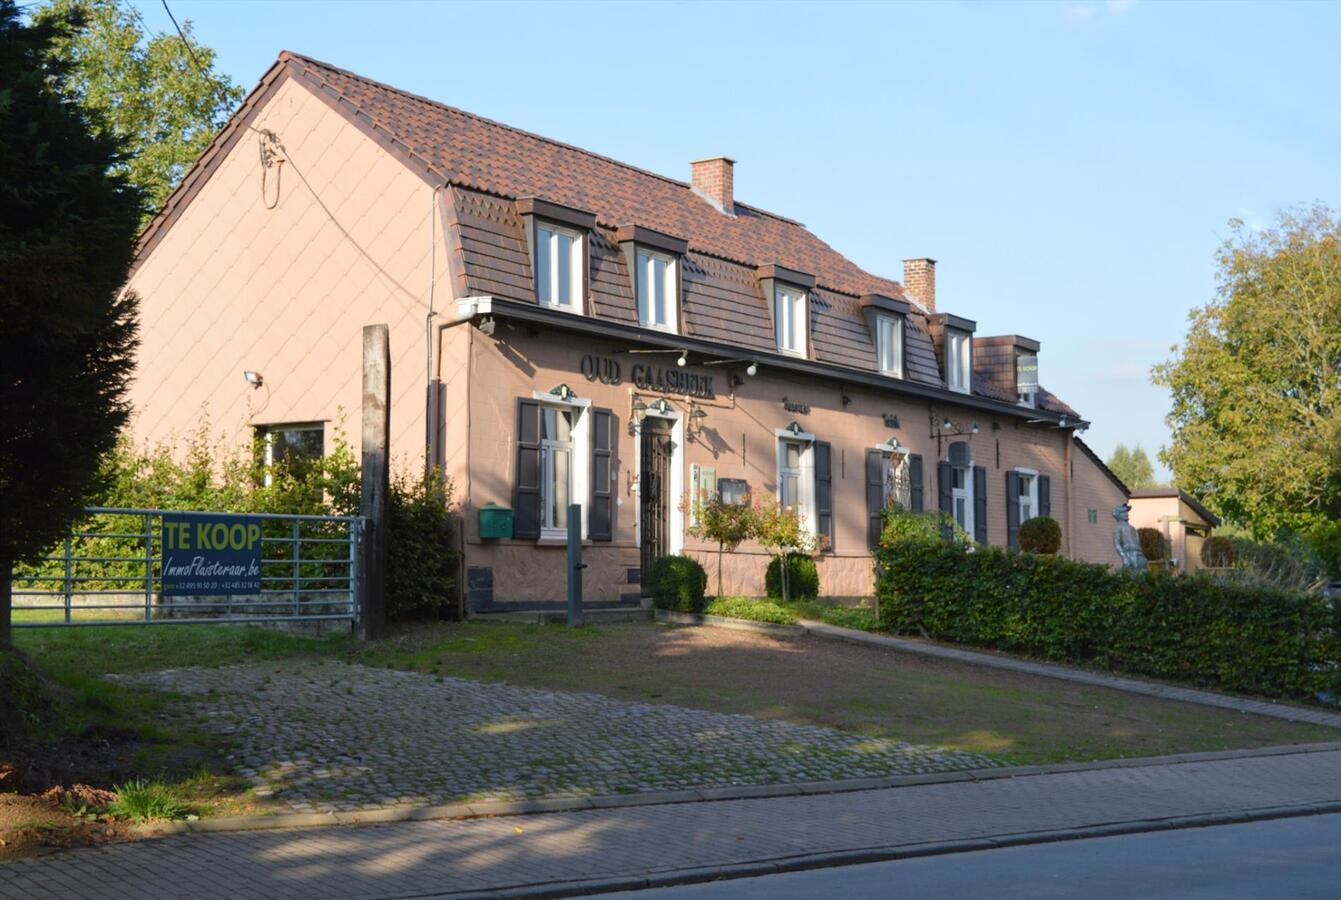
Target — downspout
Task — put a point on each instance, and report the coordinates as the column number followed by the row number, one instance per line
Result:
column 1069, row 437
column 430, row 402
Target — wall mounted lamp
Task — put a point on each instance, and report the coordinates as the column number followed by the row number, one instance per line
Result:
column 950, row 429
column 487, row 326
column 696, row 419
column 254, row 379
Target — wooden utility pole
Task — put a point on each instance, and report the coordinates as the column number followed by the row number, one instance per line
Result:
column 376, row 480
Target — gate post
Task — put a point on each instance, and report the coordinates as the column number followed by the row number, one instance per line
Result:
column 575, row 565
column 375, row 481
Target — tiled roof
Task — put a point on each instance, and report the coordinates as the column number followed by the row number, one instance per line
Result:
column 487, row 156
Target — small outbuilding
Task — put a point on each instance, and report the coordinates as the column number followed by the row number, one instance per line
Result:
column 1185, row 523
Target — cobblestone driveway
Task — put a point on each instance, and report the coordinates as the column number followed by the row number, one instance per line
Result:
column 323, row 736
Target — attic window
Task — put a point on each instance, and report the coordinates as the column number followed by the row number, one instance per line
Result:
column 1026, row 379
column 789, row 319
column 657, row 277
column 559, row 269
column 958, row 360
column 889, row 345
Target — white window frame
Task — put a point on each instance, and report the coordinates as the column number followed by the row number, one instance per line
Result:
column 958, row 360
column 644, row 261
column 966, row 494
column 805, row 475
column 790, row 331
column 1028, row 500
column 579, row 463
column 889, row 345
column 546, row 243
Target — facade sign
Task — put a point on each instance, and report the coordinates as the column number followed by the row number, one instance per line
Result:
column 795, row 406
column 661, row 379
column 1026, row 373
column 210, row 554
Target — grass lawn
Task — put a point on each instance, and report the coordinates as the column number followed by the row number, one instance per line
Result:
column 1014, row 717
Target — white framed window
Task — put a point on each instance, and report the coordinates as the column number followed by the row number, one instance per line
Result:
column 796, row 478
column 1028, row 486
column 958, row 360
column 658, row 289
column 789, row 319
column 556, row 468
column 961, row 496
column 559, row 270
column 889, row 345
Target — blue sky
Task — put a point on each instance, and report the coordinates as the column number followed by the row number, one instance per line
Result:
column 1071, row 165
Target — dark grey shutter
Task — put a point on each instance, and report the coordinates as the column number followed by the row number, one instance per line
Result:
column 1013, row 510
column 944, row 485
column 875, row 497
column 526, row 486
column 1044, row 495
column 980, row 504
column 824, row 490
column 915, row 482
column 601, row 519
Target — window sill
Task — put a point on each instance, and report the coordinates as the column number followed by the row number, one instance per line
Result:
column 559, row 542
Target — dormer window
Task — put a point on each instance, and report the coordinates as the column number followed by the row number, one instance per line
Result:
column 1026, row 379
column 889, row 345
column 656, row 278
column 559, row 269
column 789, row 319
column 958, row 360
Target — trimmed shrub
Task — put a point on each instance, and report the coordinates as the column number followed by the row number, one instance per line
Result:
column 1217, row 552
column 1041, row 534
column 678, row 583
column 1154, row 544
column 751, row 609
column 930, row 527
column 802, row 577
column 1244, row 637
column 421, row 563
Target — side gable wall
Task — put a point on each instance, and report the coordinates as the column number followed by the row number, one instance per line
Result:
column 234, row 286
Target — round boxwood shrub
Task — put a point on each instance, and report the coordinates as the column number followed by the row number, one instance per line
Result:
column 678, row 583
column 802, row 577
column 1217, row 552
column 1154, row 544
column 1041, row 534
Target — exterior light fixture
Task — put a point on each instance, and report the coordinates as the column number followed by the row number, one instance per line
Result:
column 661, row 406
column 752, row 369
column 975, row 429
column 253, row 378
column 563, row 392
column 893, row 442
column 682, row 358
column 487, row 326
column 696, row 421
column 794, row 428
column 639, row 413
column 947, row 425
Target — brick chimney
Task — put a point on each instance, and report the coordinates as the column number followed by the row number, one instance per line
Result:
column 712, row 179
column 919, row 281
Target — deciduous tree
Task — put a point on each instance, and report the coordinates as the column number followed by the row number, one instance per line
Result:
column 1255, row 419
column 67, row 330
column 1133, row 466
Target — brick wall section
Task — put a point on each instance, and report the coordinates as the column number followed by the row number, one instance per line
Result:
column 715, row 178
column 1093, row 490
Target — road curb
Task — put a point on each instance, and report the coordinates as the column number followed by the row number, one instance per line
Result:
column 858, row 856
column 493, row 809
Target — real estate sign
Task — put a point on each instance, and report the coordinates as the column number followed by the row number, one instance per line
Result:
column 210, row 554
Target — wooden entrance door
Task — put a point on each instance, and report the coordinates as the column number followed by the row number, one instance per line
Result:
column 654, row 490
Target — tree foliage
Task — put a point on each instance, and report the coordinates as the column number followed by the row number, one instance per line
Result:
column 146, row 89
column 1255, row 418
column 1133, row 466
column 67, row 332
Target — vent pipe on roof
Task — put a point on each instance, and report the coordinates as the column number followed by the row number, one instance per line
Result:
column 713, row 181
column 919, row 281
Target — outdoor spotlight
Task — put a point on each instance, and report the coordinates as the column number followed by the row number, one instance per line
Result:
column 947, row 425
column 974, row 429
column 682, row 358
column 752, row 369
column 253, row 378
column 487, row 326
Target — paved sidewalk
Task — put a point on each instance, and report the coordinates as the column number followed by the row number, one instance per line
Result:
column 637, row 846
column 1080, row 676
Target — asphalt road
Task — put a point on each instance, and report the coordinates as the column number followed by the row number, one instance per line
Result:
column 1299, row 859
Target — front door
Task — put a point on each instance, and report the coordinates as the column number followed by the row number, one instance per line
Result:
column 653, row 488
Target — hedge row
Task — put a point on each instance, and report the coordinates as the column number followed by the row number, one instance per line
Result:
column 1251, row 638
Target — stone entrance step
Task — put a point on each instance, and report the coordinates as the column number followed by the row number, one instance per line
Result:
column 560, row 616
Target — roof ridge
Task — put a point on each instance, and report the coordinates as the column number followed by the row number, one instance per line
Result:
column 287, row 55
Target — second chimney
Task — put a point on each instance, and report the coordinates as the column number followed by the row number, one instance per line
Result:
column 712, row 180
column 919, row 281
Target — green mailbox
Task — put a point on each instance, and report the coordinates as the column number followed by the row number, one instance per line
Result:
column 495, row 521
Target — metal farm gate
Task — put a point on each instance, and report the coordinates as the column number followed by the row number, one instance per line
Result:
column 109, row 571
